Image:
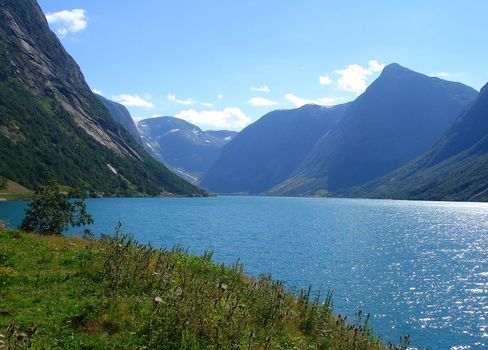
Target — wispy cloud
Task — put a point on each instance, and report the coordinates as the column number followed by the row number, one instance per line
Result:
column 68, row 21
column 353, row 78
column 263, row 88
column 220, row 96
column 261, row 102
column 440, row 74
column 325, row 80
column 188, row 101
column 228, row 118
column 133, row 101
column 300, row 101
column 98, row 92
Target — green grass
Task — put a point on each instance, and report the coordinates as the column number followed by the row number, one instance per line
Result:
column 11, row 190
column 113, row 293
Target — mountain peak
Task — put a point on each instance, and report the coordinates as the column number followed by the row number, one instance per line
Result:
column 395, row 69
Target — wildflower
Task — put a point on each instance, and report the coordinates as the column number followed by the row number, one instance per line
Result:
column 157, row 301
column 223, row 287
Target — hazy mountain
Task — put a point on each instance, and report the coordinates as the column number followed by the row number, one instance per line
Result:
column 182, row 146
column 51, row 122
column 122, row 116
column 455, row 168
column 396, row 119
column 270, row 150
column 225, row 135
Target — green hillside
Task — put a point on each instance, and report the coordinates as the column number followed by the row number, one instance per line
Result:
column 52, row 124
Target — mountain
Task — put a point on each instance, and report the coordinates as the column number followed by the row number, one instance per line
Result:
column 225, row 135
column 455, row 168
column 268, row 151
column 122, row 116
column 182, row 146
column 396, row 119
column 51, row 122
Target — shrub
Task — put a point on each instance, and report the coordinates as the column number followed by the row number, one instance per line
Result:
column 53, row 210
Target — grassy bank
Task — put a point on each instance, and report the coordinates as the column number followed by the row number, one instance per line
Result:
column 10, row 190
column 72, row 293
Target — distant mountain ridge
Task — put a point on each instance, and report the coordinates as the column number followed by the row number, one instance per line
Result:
column 269, row 150
column 398, row 117
column 455, row 168
column 52, row 123
column 185, row 148
column 399, row 139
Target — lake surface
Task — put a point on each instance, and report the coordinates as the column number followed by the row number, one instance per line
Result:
column 419, row 268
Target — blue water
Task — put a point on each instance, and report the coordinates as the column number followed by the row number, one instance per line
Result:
column 419, row 268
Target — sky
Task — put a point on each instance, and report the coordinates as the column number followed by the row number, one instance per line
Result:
column 224, row 64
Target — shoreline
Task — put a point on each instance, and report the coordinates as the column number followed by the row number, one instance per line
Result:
column 122, row 294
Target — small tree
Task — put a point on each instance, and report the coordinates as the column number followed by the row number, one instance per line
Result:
column 53, row 210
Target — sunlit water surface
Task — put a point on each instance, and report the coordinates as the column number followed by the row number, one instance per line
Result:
column 419, row 268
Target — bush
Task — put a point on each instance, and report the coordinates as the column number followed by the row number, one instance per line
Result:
column 52, row 210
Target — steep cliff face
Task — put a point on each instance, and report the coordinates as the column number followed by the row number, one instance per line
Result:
column 51, row 122
column 122, row 116
column 42, row 65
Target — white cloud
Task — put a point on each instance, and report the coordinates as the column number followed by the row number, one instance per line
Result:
column 98, row 92
column 260, row 102
column 353, row 77
column 375, row 66
column 188, row 101
column 220, row 96
column 440, row 74
column 229, row 118
column 325, row 80
column 300, row 101
column 263, row 88
column 68, row 21
column 133, row 101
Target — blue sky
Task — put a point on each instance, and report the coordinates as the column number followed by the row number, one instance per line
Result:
column 223, row 64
